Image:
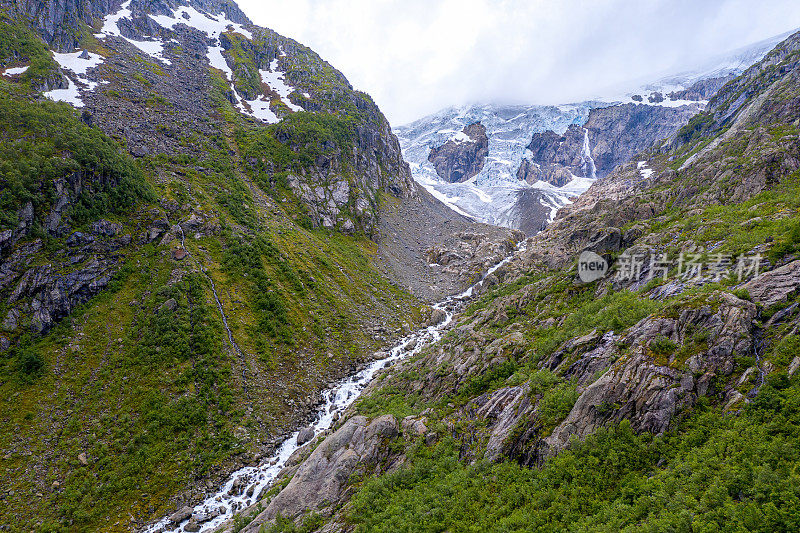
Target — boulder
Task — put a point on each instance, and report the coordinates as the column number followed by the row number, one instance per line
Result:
column 181, row 515
column 305, row 435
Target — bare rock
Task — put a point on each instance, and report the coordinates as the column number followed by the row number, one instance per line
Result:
column 181, row 515
column 322, row 478
column 305, row 435
column 794, row 366
column 776, row 285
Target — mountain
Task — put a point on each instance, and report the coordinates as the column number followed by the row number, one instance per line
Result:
column 661, row 396
column 202, row 226
column 541, row 157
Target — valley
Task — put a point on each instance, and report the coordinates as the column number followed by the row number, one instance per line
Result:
column 235, row 298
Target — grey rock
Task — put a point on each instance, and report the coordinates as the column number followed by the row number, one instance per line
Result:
column 322, row 479
column 776, row 285
column 180, row 515
column 794, row 366
column 459, row 160
column 305, row 435
column 170, row 305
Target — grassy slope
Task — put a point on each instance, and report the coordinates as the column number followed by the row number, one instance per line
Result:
column 156, row 399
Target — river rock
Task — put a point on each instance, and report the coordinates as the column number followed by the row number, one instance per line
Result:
column 305, row 435
column 181, row 515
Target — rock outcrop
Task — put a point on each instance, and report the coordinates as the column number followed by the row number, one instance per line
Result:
column 321, row 481
column 463, row 156
column 610, row 137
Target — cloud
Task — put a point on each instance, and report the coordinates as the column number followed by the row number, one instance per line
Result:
column 417, row 56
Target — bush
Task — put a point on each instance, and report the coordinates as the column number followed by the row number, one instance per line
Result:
column 555, row 405
column 661, row 345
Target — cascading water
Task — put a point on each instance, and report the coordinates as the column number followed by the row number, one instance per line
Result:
column 252, row 480
column 589, row 168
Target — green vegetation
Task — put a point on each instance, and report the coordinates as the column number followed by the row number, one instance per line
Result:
column 19, row 45
column 44, row 141
column 306, row 137
column 615, row 311
column 713, row 473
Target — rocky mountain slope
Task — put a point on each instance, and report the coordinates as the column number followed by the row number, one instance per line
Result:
column 463, row 155
column 663, row 396
column 539, row 157
column 195, row 240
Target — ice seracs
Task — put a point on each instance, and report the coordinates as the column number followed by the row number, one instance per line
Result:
column 490, row 196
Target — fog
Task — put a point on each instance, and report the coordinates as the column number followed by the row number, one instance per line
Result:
column 417, row 56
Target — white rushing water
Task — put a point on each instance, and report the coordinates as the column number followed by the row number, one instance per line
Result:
column 252, row 480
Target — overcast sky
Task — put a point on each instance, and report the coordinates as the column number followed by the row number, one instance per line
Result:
column 417, row 56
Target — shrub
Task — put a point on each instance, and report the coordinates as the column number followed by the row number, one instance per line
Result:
column 661, row 345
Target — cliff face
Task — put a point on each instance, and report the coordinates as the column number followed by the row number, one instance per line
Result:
column 610, row 136
column 463, row 156
column 557, row 159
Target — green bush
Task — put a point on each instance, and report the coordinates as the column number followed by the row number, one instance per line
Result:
column 555, row 405
column 661, row 345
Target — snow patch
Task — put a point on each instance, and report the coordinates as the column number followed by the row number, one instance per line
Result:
column 211, row 25
column 218, row 61
column 15, row 71
column 260, row 109
column 276, row 79
column 74, row 62
column 111, row 22
column 644, row 171
column 79, row 64
column 461, row 137
column 70, row 95
column 154, row 48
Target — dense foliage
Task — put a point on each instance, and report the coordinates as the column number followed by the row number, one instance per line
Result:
column 716, row 472
column 45, row 141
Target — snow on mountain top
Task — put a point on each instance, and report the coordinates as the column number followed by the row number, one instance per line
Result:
column 211, row 25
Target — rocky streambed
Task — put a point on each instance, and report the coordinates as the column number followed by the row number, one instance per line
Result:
column 244, row 487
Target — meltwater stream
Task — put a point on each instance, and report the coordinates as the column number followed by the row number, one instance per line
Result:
column 250, row 481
